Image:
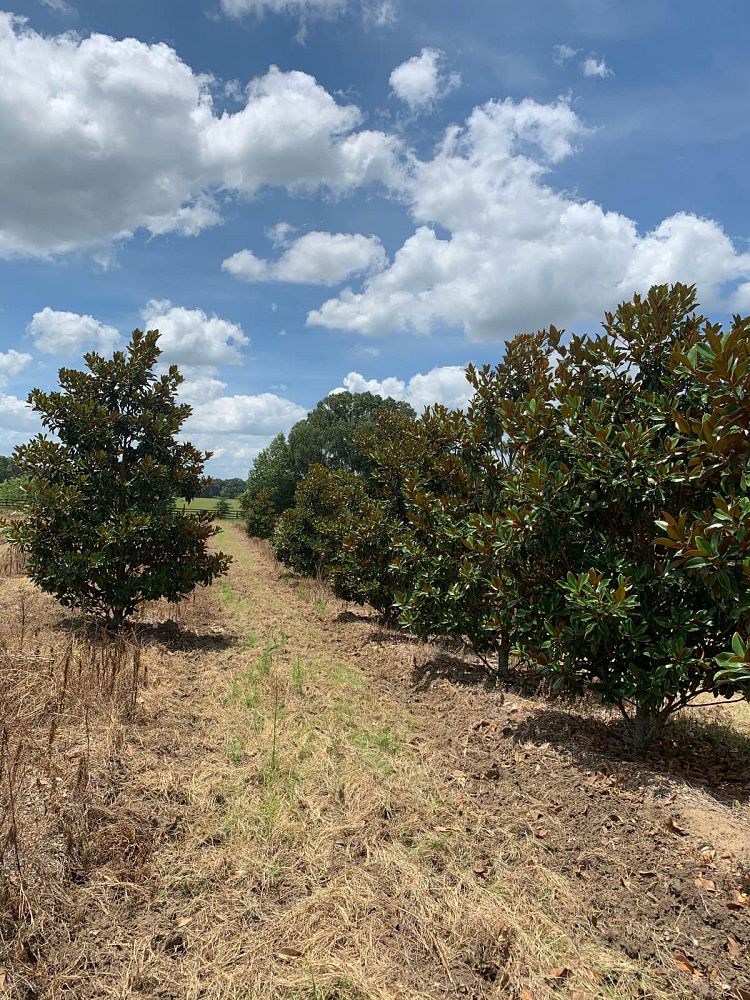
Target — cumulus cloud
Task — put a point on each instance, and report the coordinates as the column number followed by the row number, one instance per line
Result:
column 237, row 428
column 11, row 364
column 518, row 254
column 192, row 337
column 420, row 82
column 103, row 137
column 201, row 389
column 446, row 385
column 592, row 66
column 265, row 413
column 17, row 418
column 313, row 259
column 57, row 332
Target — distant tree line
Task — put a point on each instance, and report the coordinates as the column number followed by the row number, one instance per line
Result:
column 229, row 489
column 8, row 468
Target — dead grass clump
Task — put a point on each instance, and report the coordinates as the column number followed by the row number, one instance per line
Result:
column 12, row 561
column 64, row 699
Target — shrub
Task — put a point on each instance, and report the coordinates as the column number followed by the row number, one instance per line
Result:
column 222, row 508
column 269, row 490
column 309, row 535
column 101, row 530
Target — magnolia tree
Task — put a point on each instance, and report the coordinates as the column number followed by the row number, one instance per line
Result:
column 619, row 544
column 101, row 529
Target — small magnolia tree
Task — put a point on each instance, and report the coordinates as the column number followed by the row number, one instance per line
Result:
column 308, row 536
column 101, row 530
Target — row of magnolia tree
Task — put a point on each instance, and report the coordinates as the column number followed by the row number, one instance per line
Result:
column 589, row 512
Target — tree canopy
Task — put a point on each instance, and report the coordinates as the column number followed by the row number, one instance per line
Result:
column 331, row 434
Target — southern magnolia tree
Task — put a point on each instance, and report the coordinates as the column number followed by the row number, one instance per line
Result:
column 591, row 509
column 101, row 529
column 618, row 546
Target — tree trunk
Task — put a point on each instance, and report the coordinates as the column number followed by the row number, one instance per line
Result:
column 117, row 619
column 503, row 659
column 645, row 726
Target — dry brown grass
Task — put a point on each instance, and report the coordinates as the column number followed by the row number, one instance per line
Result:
column 262, row 822
column 65, row 699
column 350, row 865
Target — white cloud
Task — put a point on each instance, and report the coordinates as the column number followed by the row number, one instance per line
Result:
column 520, row 255
column 280, row 233
column 102, row 137
column 192, row 337
column 17, row 417
column 419, row 82
column 741, row 299
column 201, row 389
column 65, row 333
column 265, row 413
column 11, row 364
column 592, row 66
column 60, row 7
column 240, row 8
column 377, row 12
column 447, row 385
column 237, row 428
column 313, row 259
column 562, row 53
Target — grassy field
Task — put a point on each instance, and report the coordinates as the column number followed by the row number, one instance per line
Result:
column 210, row 503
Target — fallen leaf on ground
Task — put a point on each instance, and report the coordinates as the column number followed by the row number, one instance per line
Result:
column 561, row 972
column 739, row 900
column 675, row 827
column 288, row 953
column 183, row 921
column 705, row 884
column 526, row 995
column 733, row 949
column 684, row 964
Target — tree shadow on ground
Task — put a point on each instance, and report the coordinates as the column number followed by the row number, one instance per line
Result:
column 703, row 755
column 465, row 669
column 348, row 617
column 169, row 635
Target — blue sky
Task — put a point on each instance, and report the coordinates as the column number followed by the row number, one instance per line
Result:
column 416, row 181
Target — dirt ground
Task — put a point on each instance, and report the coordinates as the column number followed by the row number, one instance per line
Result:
column 304, row 804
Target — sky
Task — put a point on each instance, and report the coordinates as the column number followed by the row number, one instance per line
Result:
column 305, row 195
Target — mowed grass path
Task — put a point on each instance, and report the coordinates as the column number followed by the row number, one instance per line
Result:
column 364, row 871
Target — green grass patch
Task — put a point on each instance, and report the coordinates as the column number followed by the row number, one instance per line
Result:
column 209, row 503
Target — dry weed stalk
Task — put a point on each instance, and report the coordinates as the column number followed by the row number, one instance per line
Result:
column 63, row 693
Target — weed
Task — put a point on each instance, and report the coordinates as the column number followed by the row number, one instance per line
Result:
column 236, row 752
column 321, row 608
column 298, row 674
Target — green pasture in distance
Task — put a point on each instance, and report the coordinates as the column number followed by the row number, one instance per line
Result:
column 209, row 503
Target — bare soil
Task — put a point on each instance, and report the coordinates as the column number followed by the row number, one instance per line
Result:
column 309, row 805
